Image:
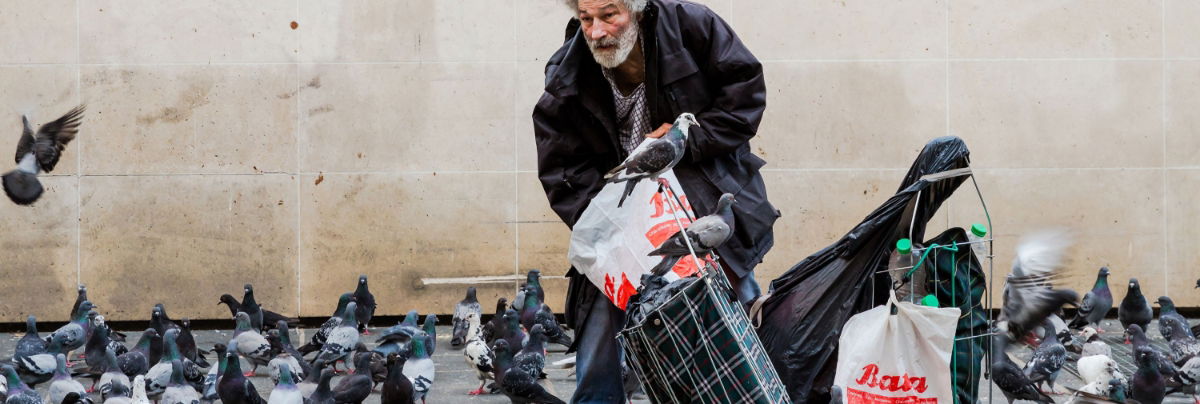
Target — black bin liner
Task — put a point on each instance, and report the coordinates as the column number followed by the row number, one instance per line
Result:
column 808, row 305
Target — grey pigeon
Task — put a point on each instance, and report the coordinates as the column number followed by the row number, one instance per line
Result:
column 76, row 398
column 311, row 380
column 1029, row 297
column 653, row 157
column 39, row 368
column 513, row 332
column 430, row 328
column 163, row 321
column 495, row 326
column 187, row 344
column 178, row 391
column 1148, row 384
column 251, row 307
column 396, row 338
column 1096, row 303
column 469, row 304
column 519, row 386
column 247, row 342
column 318, row 339
column 1134, row 309
column 341, row 340
column 419, row 368
column 1136, row 336
column 397, row 389
column 371, row 363
column 63, row 384
column 18, row 392
column 269, row 317
column 80, row 297
column 113, row 381
column 477, row 353
column 530, row 308
column 366, row 304
column 1183, row 345
column 137, row 360
column 234, row 387
column 31, row 343
column 38, row 152
column 1093, row 345
column 531, row 358
column 1188, row 375
column 323, row 394
column 1009, row 378
column 94, row 349
column 74, row 334
column 209, row 390
column 706, row 234
column 159, row 376
column 283, row 338
column 1168, row 316
column 1047, row 359
column 533, row 281
column 285, row 391
column 356, row 387
column 554, row 332
column 519, row 299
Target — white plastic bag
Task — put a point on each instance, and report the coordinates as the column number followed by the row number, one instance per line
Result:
column 901, row 358
column 610, row 244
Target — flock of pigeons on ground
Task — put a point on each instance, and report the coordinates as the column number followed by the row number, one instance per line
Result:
column 1032, row 314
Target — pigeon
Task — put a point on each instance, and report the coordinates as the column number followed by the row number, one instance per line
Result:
column 1009, row 378
column 187, row 344
column 80, row 297
column 530, row 308
column 1098, row 368
column 1047, row 359
column 495, row 327
column 269, row 317
column 653, row 157
column 554, row 332
column 209, row 392
column 18, row 392
column 234, row 387
column 1188, row 375
column 458, row 335
column 275, row 366
column 94, row 349
column 1169, row 315
column 519, row 386
column 706, row 234
column 419, row 368
column 30, row 343
column 285, row 391
column 1093, row 345
column 116, row 339
column 139, row 390
column 430, row 329
column 318, row 339
column 397, row 389
column 1095, row 305
column 322, row 394
column 366, row 304
column 1138, row 338
column 113, row 381
column 121, row 395
column 283, row 338
column 160, row 321
column 835, row 395
column 397, row 337
column 477, row 353
column 375, row 363
column 38, row 369
column 37, row 153
column 533, row 279
column 159, row 375
column 178, row 391
column 1183, row 345
column 356, row 387
column 74, row 334
column 532, row 357
column 62, row 384
column 76, row 398
column 1027, row 298
column 515, row 336
column 1134, row 309
column 1149, row 385
column 519, row 299
column 311, row 380
column 249, row 343
column 341, row 340
column 137, row 360
column 252, row 308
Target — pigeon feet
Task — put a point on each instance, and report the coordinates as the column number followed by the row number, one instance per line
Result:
column 248, row 374
column 366, row 332
column 664, row 183
column 476, row 392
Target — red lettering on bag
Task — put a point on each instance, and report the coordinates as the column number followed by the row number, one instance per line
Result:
column 870, row 378
column 855, row 396
column 664, row 206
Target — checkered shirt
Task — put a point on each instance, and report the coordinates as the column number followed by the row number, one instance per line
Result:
column 633, row 118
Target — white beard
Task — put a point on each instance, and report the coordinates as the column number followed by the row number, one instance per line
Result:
column 625, row 43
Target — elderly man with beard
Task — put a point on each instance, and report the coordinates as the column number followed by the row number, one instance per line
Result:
column 625, row 71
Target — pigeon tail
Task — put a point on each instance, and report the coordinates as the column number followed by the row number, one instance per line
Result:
column 629, row 185
column 22, row 188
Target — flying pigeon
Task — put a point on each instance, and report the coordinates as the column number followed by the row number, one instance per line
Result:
column 249, row 343
column 653, row 157
column 137, row 360
column 113, row 381
column 419, row 368
column 494, row 328
column 318, row 339
column 31, row 343
column 458, row 335
column 706, row 234
column 178, row 391
column 1028, row 301
column 478, row 355
column 1095, row 305
column 323, row 394
column 554, row 332
column 234, row 387
column 341, row 340
column 366, row 304
column 1009, row 378
column 37, row 153
column 1047, row 360
column 269, row 317
column 1094, row 345
column 62, row 384
column 519, row 386
column 397, row 388
column 531, row 358
column 1149, row 385
column 1168, row 315
column 356, row 387
column 285, row 391
column 18, row 392
column 1134, row 309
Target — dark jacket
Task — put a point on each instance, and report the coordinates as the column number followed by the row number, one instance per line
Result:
column 694, row 63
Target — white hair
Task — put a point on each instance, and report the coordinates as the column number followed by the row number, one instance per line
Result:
column 634, row 6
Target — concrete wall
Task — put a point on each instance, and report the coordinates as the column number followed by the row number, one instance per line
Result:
column 298, row 143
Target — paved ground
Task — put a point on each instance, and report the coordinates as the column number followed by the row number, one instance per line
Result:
column 455, row 378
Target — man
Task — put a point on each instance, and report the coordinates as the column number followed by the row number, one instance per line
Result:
column 626, row 70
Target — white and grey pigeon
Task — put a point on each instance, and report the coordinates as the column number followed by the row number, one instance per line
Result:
column 470, row 304
column 1183, row 345
column 1093, row 345
column 210, row 380
column 419, row 368
column 18, row 392
column 477, row 352
column 1029, row 296
column 63, row 384
column 39, row 368
column 74, row 334
column 653, row 157
column 1169, row 316
column 159, row 376
column 706, row 234
column 113, row 379
column 1047, row 359
column 250, row 344
column 178, row 391
column 139, row 390
column 285, row 391
column 38, row 152
column 341, row 340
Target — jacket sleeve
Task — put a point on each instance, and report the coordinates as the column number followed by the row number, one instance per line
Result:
column 736, row 83
column 565, row 173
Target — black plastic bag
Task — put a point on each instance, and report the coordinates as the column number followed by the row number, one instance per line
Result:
column 808, row 305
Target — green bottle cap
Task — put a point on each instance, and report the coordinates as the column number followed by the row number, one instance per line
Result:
column 978, row 230
column 904, row 246
column 930, row 300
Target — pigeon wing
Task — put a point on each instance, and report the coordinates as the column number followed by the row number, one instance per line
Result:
column 53, row 137
column 25, row 145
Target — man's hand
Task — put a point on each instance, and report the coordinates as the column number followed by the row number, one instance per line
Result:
column 657, row 133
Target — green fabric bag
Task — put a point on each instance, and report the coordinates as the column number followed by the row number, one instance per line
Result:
column 956, row 279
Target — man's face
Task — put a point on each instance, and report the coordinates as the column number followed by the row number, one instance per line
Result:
column 610, row 28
